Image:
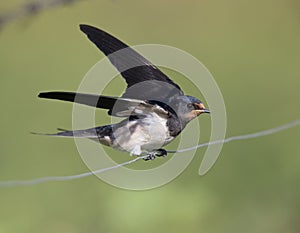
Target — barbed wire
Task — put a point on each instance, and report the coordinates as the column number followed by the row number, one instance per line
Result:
column 30, row 9
column 14, row 183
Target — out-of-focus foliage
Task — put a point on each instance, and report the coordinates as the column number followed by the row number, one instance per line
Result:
column 251, row 48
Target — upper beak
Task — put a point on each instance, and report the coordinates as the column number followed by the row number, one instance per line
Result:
column 202, row 108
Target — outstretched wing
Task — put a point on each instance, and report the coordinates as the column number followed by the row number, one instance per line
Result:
column 121, row 107
column 144, row 80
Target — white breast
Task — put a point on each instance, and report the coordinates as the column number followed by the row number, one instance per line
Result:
column 145, row 134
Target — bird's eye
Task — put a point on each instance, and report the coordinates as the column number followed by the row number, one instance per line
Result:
column 190, row 105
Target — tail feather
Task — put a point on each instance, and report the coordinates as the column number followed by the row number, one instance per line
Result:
column 86, row 133
column 102, row 134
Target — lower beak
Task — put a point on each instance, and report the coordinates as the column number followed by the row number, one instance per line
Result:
column 201, row 108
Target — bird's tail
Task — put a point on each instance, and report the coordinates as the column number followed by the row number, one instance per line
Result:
column 91, row 133
column 102, row 134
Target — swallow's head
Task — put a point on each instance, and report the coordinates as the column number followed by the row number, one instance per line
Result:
column 189, row 107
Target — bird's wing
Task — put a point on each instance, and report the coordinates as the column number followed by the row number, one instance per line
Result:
column 117, row 106
column 133, row 67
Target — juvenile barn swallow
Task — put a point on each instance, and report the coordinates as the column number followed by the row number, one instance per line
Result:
column 154, row 107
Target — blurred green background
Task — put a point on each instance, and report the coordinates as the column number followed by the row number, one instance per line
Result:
column 251, row 48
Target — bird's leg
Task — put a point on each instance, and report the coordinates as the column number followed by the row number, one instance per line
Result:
column 158, row 153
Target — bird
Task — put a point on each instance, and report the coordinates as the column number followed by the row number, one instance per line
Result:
column 153, row 108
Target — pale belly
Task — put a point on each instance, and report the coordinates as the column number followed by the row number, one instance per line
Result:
column 142, row 135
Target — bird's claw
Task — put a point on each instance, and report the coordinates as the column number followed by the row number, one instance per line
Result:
column 161, row 153
column 150, row 156
column 153, row 155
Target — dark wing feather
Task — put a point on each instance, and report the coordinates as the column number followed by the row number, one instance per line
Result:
column 120, row 107
column 86, row 99
column 133, row 67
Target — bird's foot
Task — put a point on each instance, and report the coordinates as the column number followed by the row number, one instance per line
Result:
column 161, row 153
column 154, row 154
column 149, row 156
